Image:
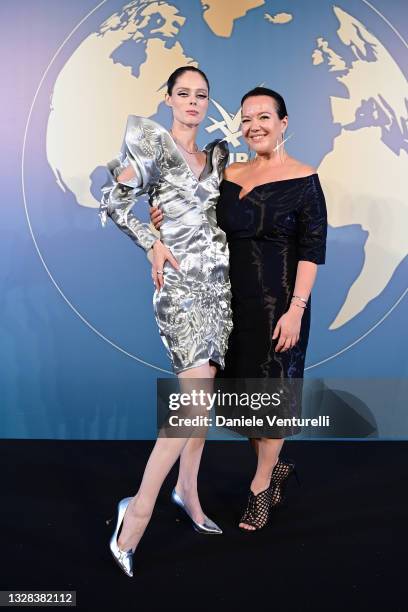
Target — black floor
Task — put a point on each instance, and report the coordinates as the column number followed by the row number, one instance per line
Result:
column 340, row 544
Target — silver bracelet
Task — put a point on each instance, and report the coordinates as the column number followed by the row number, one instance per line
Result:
column 299, row 306
column 300, row 298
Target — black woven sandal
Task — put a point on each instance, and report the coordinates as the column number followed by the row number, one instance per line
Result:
column 258, row 509
column 282, row 471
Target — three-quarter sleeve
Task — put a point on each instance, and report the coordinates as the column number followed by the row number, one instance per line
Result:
column 312, row 224
column 140, row 150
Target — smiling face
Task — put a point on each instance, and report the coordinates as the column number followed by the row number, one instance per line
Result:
column 261, row 126
column 189, row 99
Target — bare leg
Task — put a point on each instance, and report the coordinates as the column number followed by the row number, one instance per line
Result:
column 268, row 455
column 165, row 453
column 254, row 442
column 190, row 459
column 186, row 485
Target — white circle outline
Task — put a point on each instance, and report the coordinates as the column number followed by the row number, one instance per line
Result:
column 98, row 333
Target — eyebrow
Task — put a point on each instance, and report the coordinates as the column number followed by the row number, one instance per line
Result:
column 189, row 89
column 260, row 113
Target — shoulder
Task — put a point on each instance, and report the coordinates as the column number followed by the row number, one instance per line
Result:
column 143, row 127
column 218, row 151
column 234, row 170
column 219, row 145
column 137, row 121
column 300, row 169
column 144, row 137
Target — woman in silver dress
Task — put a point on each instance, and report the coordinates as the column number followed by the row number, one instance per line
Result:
column 190, row 272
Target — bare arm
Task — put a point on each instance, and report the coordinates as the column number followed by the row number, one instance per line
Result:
column 288, row 326
column 127, row 175
column 305, row 279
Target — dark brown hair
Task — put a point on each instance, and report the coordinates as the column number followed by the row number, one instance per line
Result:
column 178, row 72
column 264, row 91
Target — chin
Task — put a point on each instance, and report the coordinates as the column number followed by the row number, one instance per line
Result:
column 192, row 122
column 261, row 149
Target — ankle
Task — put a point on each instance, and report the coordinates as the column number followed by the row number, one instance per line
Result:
column 186, row 489
column 270, row 472
column 140, row 507
column 259, row 483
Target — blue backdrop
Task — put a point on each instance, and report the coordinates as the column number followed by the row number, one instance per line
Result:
column 80, row 352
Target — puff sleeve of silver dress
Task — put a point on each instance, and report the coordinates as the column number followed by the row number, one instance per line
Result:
column 192, row 309
column 118, row 198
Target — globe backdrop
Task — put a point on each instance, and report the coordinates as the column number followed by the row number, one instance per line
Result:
column 346, row 94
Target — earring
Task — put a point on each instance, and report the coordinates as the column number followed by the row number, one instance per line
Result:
column 280, row 148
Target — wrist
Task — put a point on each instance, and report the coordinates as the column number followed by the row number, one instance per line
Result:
column 300, row 299
column 296, row 309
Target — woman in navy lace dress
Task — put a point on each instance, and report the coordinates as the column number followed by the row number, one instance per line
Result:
column 274, row 214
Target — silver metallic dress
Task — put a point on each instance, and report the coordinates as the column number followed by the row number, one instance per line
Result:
column 193, row 308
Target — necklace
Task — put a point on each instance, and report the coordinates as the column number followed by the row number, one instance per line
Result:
column 184, row 149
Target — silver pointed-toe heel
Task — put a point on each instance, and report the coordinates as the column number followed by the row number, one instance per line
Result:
column 208, row 527
column 124, row 558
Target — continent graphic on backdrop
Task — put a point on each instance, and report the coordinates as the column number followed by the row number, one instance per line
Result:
column 374, row 128
column 122, row 69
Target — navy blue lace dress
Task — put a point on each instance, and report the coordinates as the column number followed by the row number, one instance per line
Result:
column 269, row 230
